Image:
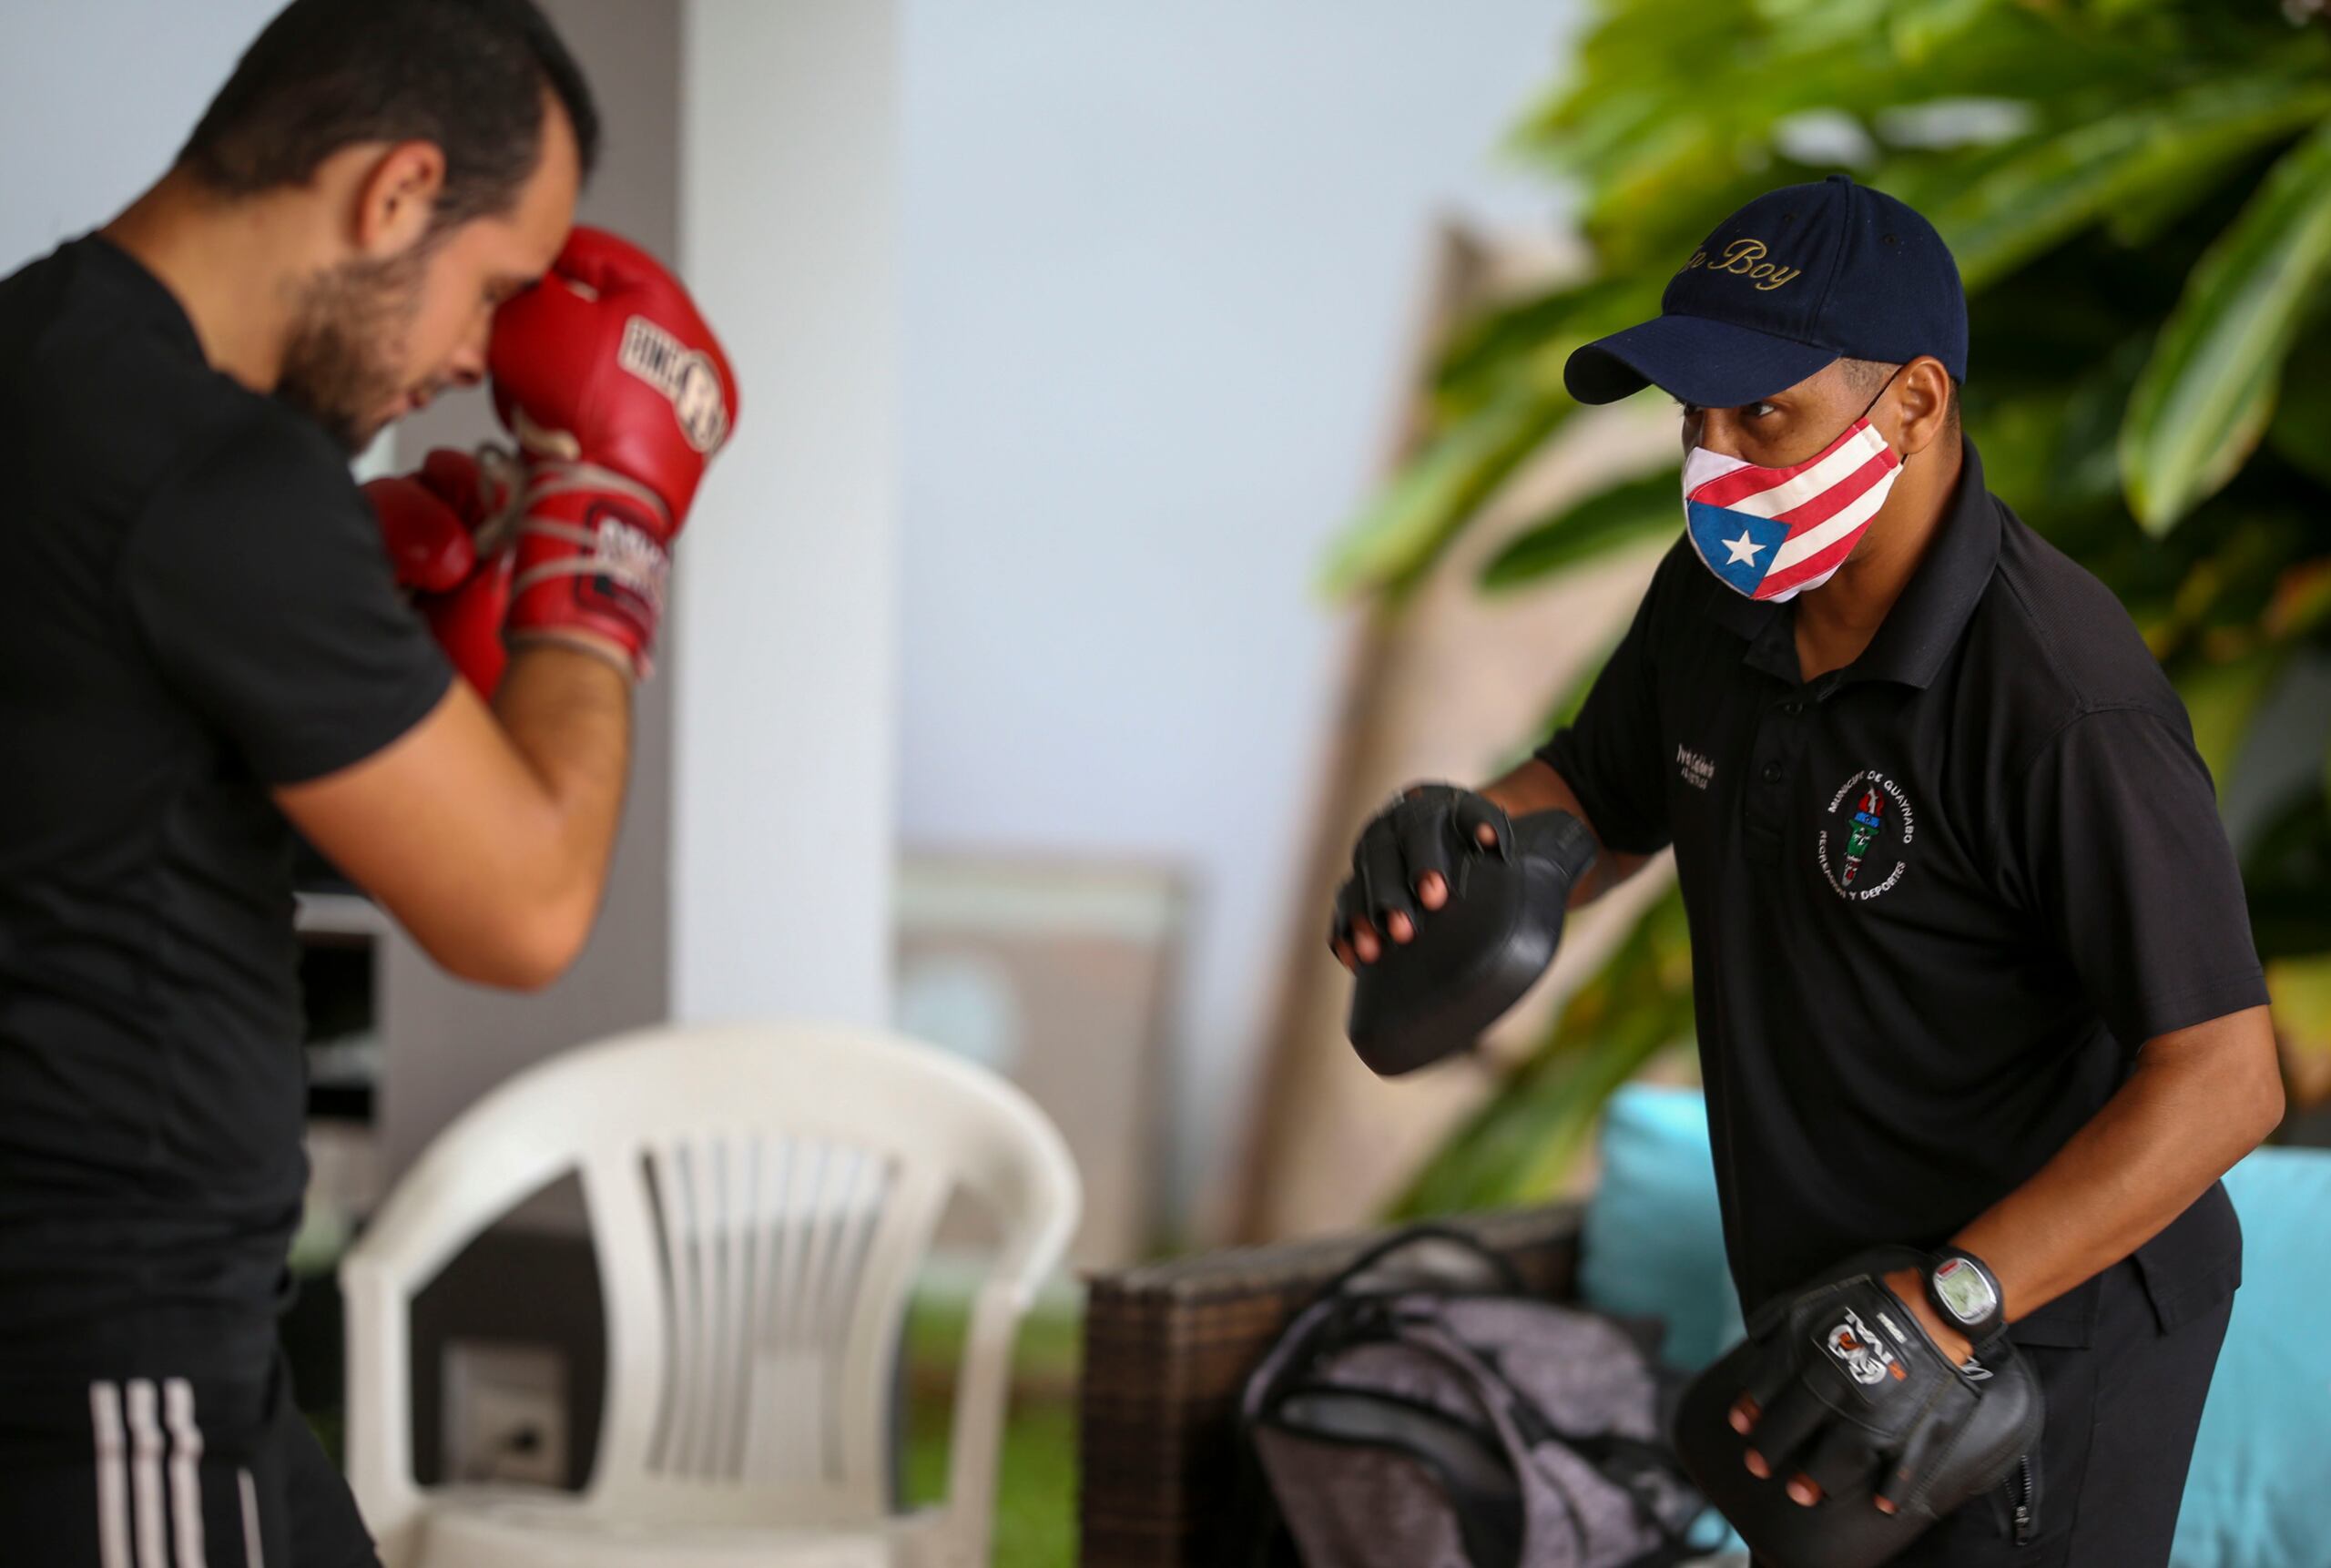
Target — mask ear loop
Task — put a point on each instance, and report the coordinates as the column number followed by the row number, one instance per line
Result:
column 1905, row 459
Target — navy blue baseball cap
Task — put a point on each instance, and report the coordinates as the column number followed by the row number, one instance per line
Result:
column 1799, row 278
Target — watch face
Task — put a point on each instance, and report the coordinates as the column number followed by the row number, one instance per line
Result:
column 1963, row 1290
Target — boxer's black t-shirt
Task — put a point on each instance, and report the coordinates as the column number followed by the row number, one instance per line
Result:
column 1938, row 898
column 194, row 605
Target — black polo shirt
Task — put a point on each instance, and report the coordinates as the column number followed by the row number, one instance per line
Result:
column 1938, row 898
column 197, row 609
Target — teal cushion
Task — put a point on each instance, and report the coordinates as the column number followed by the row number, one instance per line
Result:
column 1653, row 1242
column 2262, row 1464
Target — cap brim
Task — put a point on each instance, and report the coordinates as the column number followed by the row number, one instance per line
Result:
column 1712, row 364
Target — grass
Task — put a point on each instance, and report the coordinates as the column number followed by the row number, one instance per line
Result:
column 1035, row 1500
column 1035, row 1504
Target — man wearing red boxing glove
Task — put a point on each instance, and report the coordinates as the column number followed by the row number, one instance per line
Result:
column 205, row 647
column 618, row 395
column 447, row 529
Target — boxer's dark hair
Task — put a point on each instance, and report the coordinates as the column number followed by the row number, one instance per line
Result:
column 467, row 75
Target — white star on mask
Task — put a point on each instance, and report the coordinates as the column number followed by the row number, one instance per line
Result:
column 1743, row 549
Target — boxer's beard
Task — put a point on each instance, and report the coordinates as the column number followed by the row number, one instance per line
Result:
column 343, row 365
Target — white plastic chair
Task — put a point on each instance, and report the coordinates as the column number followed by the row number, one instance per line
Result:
column 760, row 1198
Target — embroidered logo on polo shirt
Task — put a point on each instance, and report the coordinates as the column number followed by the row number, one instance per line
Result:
column 1694, row 769
column 1869, row 824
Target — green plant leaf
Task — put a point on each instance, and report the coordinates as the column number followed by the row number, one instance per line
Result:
column 1519, row 1145
column 1564, row 708
column 1484, row 352
column 1415, row 516
column 2147, row 213
column 2206, row 396
column 2300, row 992
column 2286, row 869
column 2300, row 434
column 1520, row 1148
column 2060, row 183
column 2051, row 445
column 1625, row 514
column 2222, row 698
column 1921, row 33
column 2300, row 602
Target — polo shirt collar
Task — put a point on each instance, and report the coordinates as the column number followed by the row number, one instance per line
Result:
column 1925, row 623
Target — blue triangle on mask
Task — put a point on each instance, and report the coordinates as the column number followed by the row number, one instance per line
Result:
column 1737, row 546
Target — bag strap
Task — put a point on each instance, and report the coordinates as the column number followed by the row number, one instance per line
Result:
column 1337, row 1315
column 1341, row 1314
column 1637, row 1466
column 1508, row 1279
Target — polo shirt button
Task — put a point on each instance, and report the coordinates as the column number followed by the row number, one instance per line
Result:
column 1772, row 774
column 1791, row 707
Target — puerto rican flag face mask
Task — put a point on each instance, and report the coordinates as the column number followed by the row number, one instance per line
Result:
column 1773, row 532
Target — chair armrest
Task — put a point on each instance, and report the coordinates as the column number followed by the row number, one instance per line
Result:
column 476, row 1171
column 982, row 1391
column 378, row 1430
column 1167, row 1349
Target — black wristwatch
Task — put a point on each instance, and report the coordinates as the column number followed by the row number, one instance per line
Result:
column 1962, row 1287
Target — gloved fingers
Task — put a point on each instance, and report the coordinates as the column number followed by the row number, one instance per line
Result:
column 1771, row 1371
column 429, row 548
column 1346, row 912
column 1905, row 1479
column 1481, row 823
column 1840, row 1461
column 1382, row 876
column 1421, row 828
column 1784, row 1425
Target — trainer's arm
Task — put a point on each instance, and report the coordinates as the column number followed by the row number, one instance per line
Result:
column 2116, row 844
column 2197, row 1100
column 487, row 833
column 1535, row 786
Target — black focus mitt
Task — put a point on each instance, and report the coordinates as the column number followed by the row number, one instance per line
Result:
column 1853, row 1393
column 1472, row 959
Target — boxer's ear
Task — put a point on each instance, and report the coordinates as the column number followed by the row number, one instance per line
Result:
column 396, row 199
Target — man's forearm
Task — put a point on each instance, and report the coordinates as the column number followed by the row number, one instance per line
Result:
column 567, row 712
column 1536, row 786
column 2197, row 1101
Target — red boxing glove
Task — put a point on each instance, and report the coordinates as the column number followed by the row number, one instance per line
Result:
column 447, row 530
column 619, row 395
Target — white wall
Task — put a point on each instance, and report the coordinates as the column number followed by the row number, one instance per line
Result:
column 1161, row 264
column 96, row 100
column 784, row 635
